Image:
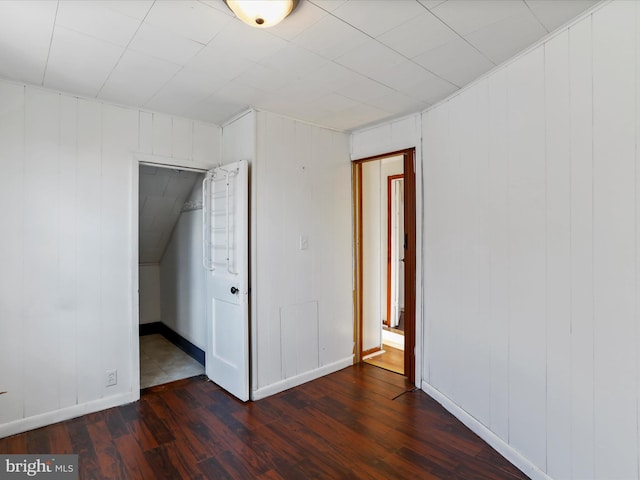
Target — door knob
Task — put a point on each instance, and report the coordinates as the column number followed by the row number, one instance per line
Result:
column 234, row 291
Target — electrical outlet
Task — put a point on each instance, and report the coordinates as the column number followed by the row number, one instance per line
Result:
column 112, row 377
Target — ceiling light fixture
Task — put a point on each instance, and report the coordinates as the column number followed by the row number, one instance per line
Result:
column 261, row 13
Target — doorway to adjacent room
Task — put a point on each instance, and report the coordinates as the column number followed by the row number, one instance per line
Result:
column 385, row 266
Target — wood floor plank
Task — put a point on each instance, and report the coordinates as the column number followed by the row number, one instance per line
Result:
column 362, row 422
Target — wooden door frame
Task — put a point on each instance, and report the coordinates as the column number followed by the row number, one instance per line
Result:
column 409, row 255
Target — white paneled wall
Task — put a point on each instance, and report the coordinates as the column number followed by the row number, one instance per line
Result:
column 67, row 302
column 182, row 276
column 302, row 309
column 531, row 239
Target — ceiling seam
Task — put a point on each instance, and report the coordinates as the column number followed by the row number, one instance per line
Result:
column 126, row 48
column 536, row 17
column 53, row 29
column 384, row 45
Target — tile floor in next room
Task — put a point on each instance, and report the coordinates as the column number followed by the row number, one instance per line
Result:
column 162, row 362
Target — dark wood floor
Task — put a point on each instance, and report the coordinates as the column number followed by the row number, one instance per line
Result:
column 356, row 423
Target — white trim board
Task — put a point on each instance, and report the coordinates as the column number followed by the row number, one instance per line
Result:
column 503, row 448
column 296, row 380
column 55, row 416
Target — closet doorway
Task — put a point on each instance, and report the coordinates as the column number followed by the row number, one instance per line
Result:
column 385, row 266
column 172, row 322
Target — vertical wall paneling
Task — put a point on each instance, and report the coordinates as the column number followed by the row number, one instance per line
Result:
column 614, row 141
column 88, row 228
column 498, row 182
column 295, row 177
column 582, row 321
column 145, row 132
column 558, row 261
column 239, row 141
column 68, row 285
column 333, row 172
column 438, row 283
column 474, row 360
column 527, row 251
column 182, row 138
column 206, row 143
column 162, row 138
column 549, row 188
column 270, row 189
column 181, row 278
column 637, row 222
column 304, row 225
column 42, row 205
column 119, row 139
column 67, row 262
column 300, row 335
column 12, row 282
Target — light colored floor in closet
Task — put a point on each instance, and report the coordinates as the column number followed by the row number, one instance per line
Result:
column 162, row 362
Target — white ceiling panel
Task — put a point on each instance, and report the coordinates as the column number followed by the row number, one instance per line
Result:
column 353, row 117
column 505, row 38
column 370, row 58
column 555, row 13
column 219, row 63
column 395, row 103
column 339, row 63
column 305, row 15
column 365, row 91
column 431, row 3
column 328, row 5
column 240, row 40
column 470, row 63
column 137, row 9
column 25, row 36
column 215, row 110
column 163, row 44
column 78, row 63
column 263, row 78
column 331, row 37
column 374, row 17
column 331, row 103
column 331, row 76
column 241, row 95
column 431, row 90
column 193, row 20
column 187, row 87
column 466, row 16
column 99, row 20
column 404, row 76
column 295, row 59
column 137, row 78
column 420, row 34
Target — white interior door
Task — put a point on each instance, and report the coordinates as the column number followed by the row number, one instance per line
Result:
column 226, row 256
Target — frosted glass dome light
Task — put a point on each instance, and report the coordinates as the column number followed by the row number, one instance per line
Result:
column 261, row 13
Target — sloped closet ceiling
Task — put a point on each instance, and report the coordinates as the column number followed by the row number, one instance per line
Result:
column 336, row 63
column 163, row 193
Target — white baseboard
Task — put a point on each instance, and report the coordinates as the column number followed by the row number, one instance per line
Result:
column 305, row 377
column 506, row 450
column 49, row 418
